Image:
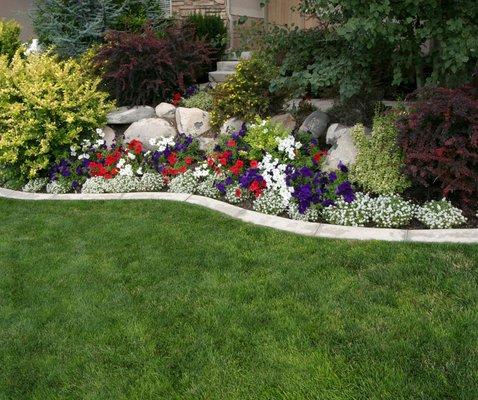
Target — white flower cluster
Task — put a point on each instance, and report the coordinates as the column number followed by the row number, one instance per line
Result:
column 270, row 202
column 184, row 183
column 201, row 171
column 274, row 175
column 440, row 214
column 151, row 182
column 95, row 185
column 288, row 145
column 207, row 188
column 231, row 195
column 58, row 187
column 87, row 144
column 123, row 184
column 126, row 169
column 391, row 211
column 311, row 214
column 161, row 144
column 35, row 185
column 356, row 213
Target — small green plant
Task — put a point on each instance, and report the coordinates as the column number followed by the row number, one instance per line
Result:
column 9, row 38
column 46, row 106
column 262, row 137
column 202, row 100
column 246, row 93
column 378, row 168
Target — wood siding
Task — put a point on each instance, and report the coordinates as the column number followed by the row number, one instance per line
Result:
column 284, row 12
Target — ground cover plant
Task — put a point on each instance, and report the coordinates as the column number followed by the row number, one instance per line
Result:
column 165, row 300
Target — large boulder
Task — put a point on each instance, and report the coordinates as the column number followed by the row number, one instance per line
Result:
column 147, row 129
column 334, row 132
column 207, row 144
column 344, row 150
column 316, row 124
column 125, row 115
column 109, row 136
column 287, row 121
column 231, row 125
column 166, row 111
column 192, row 121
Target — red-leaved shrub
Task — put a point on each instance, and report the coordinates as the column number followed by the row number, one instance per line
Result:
column 439, row 138
column 142, row 68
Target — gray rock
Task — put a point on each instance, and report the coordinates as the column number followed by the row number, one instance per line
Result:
column 207, row 144
column 343, row 150
column 231, row 125
column 316, row 123
column 334, row 132
column 125, row 115
column 287, row 120
column 246, row 55
column 192, row 121
column 110, row 136
column 166, row 111
column 147, row 129
column 320, row 104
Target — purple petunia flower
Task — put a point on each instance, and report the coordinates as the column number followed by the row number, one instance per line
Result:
column 346, row 191
column 343, row 167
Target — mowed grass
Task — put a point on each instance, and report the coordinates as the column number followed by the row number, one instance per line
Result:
column 157, row 300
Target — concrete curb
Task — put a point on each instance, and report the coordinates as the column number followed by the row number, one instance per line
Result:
column 271, row 221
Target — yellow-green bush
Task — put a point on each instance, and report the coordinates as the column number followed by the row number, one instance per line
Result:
column 262, row 135
column 246, row 93
column 9, row 37
column 378, row 168
column 46, row 105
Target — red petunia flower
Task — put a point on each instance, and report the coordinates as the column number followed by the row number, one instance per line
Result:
column 253, row 163
column 172, row 158
column 238, row 192
column 318, row 156
column 224, row 157
column 236, row 168
column 177, row 97
column 99, row 156
column 231, row 143
column 188, row 160
column 136, row 146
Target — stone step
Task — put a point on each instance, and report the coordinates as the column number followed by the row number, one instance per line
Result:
column 227, row 65
column 219, row 76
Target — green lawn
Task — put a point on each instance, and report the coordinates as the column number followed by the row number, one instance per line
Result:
column 157, row 300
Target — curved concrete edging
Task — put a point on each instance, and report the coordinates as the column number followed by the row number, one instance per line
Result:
column 285, row 224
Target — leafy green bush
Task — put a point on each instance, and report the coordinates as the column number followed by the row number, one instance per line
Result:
column 245, row 94
column 212, row 29
column 72, row 26
column 261, row 137
column 46, row 106
column 378, row 168
column 9, row 37
column 202, row 100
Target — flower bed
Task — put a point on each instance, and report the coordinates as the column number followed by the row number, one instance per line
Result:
column 259, row 167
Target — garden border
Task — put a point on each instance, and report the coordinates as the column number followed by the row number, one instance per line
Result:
column 300, row 227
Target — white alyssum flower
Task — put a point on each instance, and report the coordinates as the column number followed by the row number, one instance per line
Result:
column 356, row 213
column 139, row 171
column 391, row 211
column 184, row 183
column 270, row 202
column 162, row 143
column 35, row 185
column 288, row 145
column 231, row 194
column 274, row 175
column 207, row 186
column 123, row 184
column 151, row 182
column 95, row 185
column 58, row 187
column 440, row 214
column 311, row 214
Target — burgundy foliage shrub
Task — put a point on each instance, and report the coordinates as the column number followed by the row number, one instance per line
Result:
column 439, row 138
column 144, row 69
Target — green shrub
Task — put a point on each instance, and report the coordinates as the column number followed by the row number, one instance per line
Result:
column 73, row 26
column 202, row 100
column 378, row 168
column 212, row 29
column 46, row 106
column 9, row 38
column 261, row 136
column 246, row 93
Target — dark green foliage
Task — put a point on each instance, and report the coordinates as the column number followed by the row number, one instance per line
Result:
column 72, row 26
column 157, row 300
column 212, row 29
column 359, row 109
column 9, row 38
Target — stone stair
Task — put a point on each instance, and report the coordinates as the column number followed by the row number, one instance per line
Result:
column 224, row 70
